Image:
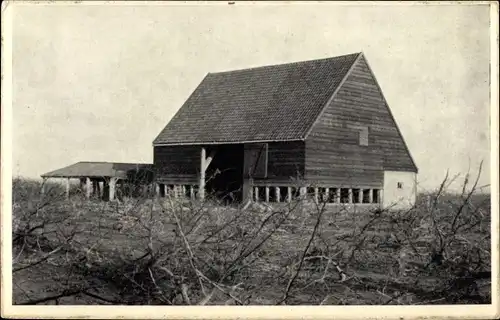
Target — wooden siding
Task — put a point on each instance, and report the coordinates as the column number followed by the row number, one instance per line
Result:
column 333, row 153
column 177, row 164
column 285, row 163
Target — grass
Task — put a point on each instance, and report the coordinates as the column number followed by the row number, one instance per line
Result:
column 150, row 251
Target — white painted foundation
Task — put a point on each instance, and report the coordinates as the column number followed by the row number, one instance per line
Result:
column 401, row 198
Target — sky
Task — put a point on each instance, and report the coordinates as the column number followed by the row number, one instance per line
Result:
column 99, row 82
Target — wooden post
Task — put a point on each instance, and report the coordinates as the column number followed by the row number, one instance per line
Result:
column 44, row 187
column 350, row 195
column 112, row 188
column 289, row 194
column 316, row 195
column 157, row 190
column 267, row 194
column 67, row 188
column 99, row 190
column 191, row 192
column 256, row 194
column 370, row 195
column 337, row 195
column 89, row 188
column 250, row 193
column 303, row 193
column 277, row 193
column 201, row 191
column 361, row 195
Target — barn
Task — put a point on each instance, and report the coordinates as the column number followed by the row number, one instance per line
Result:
column 318, row 129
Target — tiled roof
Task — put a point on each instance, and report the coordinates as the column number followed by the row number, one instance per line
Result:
column 270, row 103
column 95, row 169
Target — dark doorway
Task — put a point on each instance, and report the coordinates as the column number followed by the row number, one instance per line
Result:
column 224, row 175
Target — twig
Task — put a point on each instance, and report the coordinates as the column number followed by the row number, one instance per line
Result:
column 304, row 252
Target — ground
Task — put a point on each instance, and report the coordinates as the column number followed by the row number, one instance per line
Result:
column 171, row 251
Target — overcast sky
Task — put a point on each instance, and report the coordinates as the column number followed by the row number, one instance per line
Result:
column 100, row 82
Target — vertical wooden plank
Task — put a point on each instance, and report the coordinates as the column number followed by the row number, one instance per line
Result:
column 157, row 190
column 67, row 188
column 201, row 191
column 256, row 194
column 112, row 188
column 191, row 192
column 326, row 195
column 89, row 188
column 361, row 195
column 278, row 195
column 267, row 194
column 289, row 194
column 337, row 196
column 183, row 190
column 316, row 195
column 370, row 195
column 350, row 195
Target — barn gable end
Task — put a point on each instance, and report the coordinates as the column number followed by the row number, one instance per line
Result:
column 335, row 150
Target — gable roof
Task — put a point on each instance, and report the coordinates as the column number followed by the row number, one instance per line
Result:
column 270, row 103
column 95, row 169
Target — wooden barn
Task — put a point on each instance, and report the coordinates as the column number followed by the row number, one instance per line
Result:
column 319, row 129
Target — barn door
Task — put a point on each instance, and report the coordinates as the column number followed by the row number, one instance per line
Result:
column 255, row 161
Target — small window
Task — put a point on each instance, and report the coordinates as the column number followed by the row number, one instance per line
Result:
column 400, row 185
column 363, row 136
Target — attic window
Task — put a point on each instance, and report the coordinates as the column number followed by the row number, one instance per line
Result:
column 363, row 136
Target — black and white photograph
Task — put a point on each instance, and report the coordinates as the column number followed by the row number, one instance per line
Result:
column 235, row 154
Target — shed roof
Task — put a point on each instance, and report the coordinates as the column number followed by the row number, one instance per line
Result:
column 96, row 169
column 270, row 103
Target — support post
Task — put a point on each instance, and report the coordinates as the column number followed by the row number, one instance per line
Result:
column 191, row 192
column 361, row 195
column 256, row 194
column 303, row 193
column 289, row 195
column 267, row 194
column 67, row 188
column 370, row 195
column 326, row 195
column 44, row 186
column 203, row 167
column 112, row 188
column 337, row 195
column 316, row 195
column 350, row 195
column 99, row 190
column 278, row 195
column 89, row 188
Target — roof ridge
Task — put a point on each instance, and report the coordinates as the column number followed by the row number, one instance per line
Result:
column 284, row 64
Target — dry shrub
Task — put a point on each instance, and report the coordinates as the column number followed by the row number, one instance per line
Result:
column 177, row 251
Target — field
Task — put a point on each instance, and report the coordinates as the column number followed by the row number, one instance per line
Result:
column 178, row 252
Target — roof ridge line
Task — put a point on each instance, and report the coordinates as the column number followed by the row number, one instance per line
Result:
column 329, row 100
column 283, row 64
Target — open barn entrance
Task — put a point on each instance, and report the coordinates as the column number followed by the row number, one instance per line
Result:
column 224, row 175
